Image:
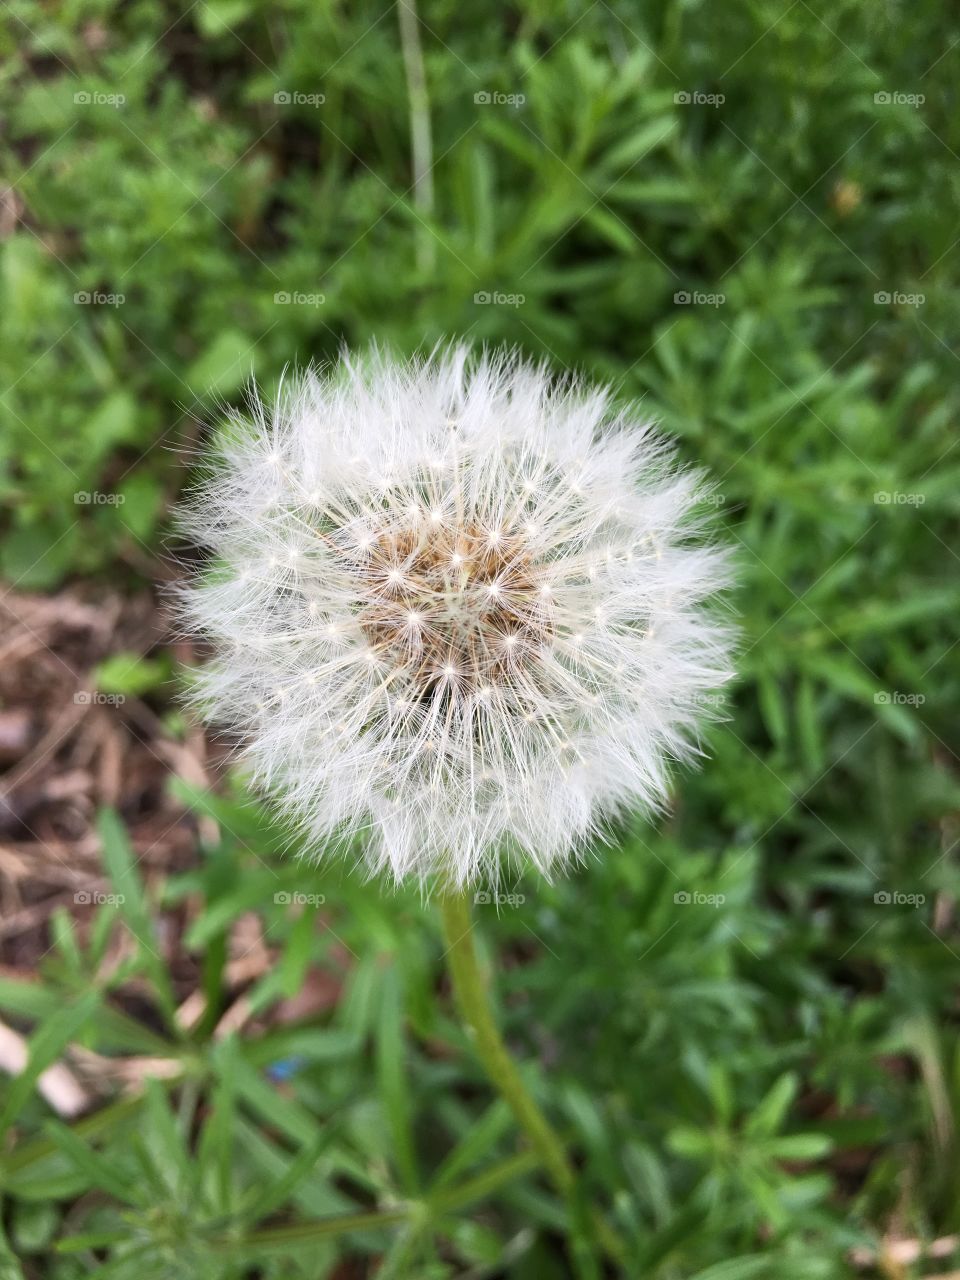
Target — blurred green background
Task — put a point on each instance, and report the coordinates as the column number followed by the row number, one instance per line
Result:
column 744, row 1019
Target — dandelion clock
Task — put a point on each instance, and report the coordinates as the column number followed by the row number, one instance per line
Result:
column 459, row 607
column 460, row 611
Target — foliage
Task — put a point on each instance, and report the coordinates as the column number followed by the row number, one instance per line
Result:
column 745, row 1018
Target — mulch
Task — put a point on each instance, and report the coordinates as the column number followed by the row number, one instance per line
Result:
column 67, row 750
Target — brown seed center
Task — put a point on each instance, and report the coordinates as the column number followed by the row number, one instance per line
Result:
column 452, row 610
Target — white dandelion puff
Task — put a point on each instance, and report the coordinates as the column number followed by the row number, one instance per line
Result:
column 457, row 607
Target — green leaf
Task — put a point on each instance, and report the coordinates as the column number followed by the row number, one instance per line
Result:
column 101, row 1171
column 223, row 366
column 121, row 867
column 164, row 1141
column 799, row 1146
column 392, row 1079
column 45, row 1046
column 130, row 674
column 774, row 709
column 218, row 17
column 743, row 1268
column 694, row 1143
column 770, row 1113
column 479, row 1139
column 36, row 557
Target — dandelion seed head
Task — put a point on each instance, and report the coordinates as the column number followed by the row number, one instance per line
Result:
column 437, row 636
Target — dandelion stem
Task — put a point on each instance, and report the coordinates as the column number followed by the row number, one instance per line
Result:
column 473, row 998
column 472, row 994
column 421, row 138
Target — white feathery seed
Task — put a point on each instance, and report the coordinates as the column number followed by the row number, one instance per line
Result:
column 458, row 607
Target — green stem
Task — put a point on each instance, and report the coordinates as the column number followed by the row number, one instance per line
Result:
column 473, row 999
column 447, row 1201
column 421, row 137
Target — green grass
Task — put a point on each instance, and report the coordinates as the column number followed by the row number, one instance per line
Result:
column 751, row 1088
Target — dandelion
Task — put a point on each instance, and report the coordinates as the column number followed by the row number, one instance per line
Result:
column 463, row 609
column 458, row 607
